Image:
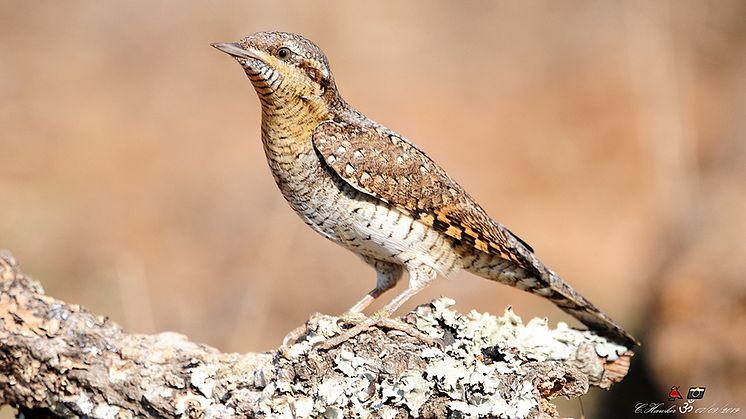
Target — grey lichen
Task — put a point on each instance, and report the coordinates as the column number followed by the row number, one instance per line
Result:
column 409, row 389
column 488, row 367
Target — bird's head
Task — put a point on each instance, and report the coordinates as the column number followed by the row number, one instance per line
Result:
column 283, row 67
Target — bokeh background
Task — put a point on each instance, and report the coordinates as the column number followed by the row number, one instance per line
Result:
column 610, row 136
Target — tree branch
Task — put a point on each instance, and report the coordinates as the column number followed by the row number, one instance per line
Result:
column 57, row 359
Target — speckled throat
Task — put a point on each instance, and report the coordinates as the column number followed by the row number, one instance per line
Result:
column 299, row 174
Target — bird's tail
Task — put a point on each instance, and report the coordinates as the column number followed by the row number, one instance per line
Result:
column 570, row 301
column 543, row 282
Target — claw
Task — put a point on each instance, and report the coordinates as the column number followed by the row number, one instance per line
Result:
column 293, row 336
column 378, row 319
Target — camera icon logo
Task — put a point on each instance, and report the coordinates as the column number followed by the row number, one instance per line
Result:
column 695, row 393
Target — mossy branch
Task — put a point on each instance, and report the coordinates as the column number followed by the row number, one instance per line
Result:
column 59, row 360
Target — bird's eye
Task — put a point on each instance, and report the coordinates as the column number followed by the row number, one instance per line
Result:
column 283, row 52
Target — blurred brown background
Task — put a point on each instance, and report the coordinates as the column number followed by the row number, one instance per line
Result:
column 610, row 136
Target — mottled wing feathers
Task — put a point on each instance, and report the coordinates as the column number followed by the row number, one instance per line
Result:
column 380, row 163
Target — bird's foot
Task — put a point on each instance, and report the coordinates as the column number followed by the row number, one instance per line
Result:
column 381, row 319
column 352, row 317
column 411, row 331
column 294, row 335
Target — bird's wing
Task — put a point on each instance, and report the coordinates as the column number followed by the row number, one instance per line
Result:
column 384, row 165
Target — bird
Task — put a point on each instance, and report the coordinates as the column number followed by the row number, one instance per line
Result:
column 377, row 194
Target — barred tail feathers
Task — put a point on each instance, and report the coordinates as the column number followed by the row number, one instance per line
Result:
column 570, row 301
column 543, row 282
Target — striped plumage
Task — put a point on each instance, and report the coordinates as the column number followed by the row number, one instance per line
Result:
column 367, row 188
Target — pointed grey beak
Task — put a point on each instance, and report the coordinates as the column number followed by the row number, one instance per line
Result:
column 235, row 50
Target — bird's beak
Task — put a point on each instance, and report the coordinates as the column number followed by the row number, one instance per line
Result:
column 235, row 50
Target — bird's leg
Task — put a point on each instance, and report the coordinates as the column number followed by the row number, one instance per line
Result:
column 419, row 278
column 387, row 275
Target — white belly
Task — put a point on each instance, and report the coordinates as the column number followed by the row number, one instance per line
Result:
column 388, row 234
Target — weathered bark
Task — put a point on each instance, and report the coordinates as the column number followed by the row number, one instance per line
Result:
column 57, row 359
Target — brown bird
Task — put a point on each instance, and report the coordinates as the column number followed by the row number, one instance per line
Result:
column 367, row 188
